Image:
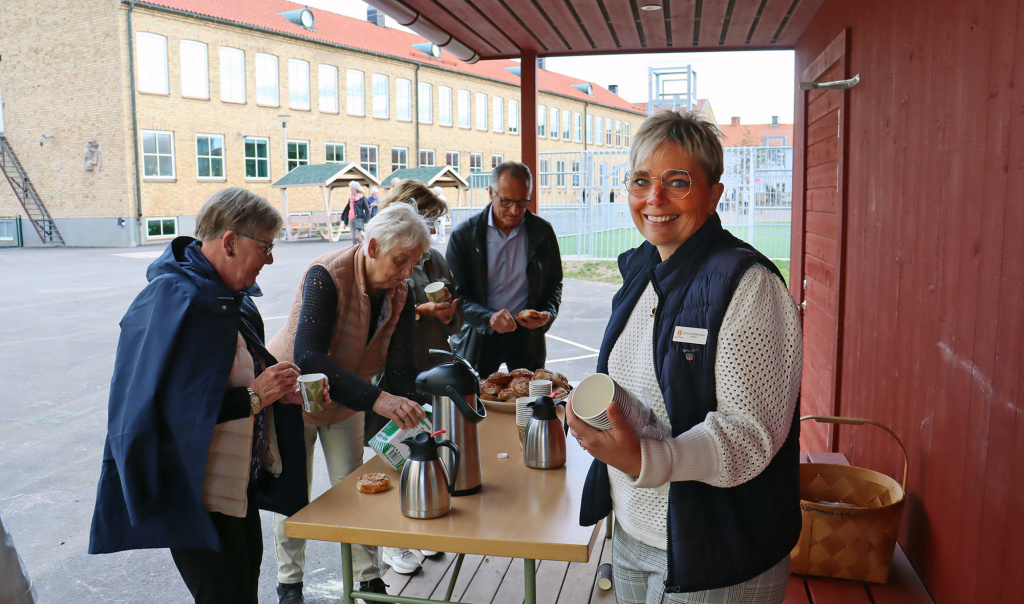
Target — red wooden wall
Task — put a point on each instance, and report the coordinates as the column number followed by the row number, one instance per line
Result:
column 933, row 327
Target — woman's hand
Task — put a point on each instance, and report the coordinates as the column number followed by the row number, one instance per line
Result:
column 276, row 382
column 618, row 446
column 295, row 398
column 405, row 412
column 442, row 311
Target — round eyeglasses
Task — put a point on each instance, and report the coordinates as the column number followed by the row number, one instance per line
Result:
column 675, row 183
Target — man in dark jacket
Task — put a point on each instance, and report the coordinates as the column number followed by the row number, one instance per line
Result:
column 508, row 276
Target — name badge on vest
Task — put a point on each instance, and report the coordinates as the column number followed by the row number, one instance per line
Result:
column 690, row 335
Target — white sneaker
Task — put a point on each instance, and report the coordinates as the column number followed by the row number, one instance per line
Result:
column 402, row 560
column 427, row 553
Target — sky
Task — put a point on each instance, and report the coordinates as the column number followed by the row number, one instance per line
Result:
column 753, row 85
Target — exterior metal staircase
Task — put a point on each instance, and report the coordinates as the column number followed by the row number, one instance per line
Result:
column 27, row 195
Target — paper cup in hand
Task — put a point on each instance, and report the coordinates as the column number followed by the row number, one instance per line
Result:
column 312, row 386
column 435, row 291
column 590, row 402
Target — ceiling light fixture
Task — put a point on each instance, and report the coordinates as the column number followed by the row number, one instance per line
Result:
column 650, row 6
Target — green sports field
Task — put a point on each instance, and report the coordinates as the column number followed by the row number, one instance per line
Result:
column 772, row 240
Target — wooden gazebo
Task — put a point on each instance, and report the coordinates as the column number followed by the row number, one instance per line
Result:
column 328, row 177
column 433, row 176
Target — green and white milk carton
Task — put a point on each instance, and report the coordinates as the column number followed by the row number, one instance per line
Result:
column 388, row 442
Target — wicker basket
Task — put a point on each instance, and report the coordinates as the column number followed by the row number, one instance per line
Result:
column 851, row 517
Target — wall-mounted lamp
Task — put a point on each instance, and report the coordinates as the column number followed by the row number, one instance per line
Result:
column 46, row 137
column 242, row 134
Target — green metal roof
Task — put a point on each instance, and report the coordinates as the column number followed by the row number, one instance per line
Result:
column 320, row 175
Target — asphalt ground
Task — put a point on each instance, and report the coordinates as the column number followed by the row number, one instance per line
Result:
column 59, row 314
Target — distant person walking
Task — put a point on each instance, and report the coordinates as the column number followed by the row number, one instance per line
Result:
column 356, row 212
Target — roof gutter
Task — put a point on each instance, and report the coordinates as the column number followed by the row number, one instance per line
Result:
column 415, row 21
column 137, row 227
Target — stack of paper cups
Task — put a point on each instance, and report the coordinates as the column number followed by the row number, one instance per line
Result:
column 523, row 415
column 540, row 388
column 590, row 402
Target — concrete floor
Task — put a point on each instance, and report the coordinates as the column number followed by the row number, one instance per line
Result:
column 59, row 313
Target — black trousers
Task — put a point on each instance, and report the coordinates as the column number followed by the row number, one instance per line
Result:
column 510, row 348
column 232, row 575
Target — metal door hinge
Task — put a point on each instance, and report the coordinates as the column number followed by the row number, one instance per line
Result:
column 835, row 85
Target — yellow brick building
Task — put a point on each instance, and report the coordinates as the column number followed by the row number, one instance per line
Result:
column 211, row 81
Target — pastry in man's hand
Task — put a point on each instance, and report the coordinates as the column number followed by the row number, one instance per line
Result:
column 373, row 483
column 528, row 314
column 499, row 377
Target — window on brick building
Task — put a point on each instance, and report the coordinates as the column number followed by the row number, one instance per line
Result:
column 554, row 122
column 151, row 54
column 576, row 174
column 542, row 120
column 399, row 158
column 625, row 143
column 513, row 116
column 560, row 173
column 381, row 96
column 498, row 112
column 267, row 92
column 481, row 111
column 403, row 90
column 453, row 159
column 335, row 153
column 327, row 82
column 426, row 158
column 298, row 154
column 195, row 70
column 157, row 154
column 444, row 105
column 232, row 75
column 257, row 158
column 544, row 168
column 578, row 127
column 566, row 124
column 210, row 156
column 425, row 103
column 618, row 133
column 608, row 134
column 164, row 227
column 355, row 83
column 476, row 163
column 590, row 130
column 599, row 130
column 298, row 84
column 496, row 160
column 368, row 158
column 464, row 109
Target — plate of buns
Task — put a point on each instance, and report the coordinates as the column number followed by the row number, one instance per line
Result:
column 501, row 389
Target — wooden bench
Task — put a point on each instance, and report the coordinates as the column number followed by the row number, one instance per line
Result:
column 903, row 587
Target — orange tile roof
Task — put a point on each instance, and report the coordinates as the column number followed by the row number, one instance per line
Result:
column 735, row 133
column 338, row 29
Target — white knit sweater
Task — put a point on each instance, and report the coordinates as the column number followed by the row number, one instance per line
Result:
column 757, row 381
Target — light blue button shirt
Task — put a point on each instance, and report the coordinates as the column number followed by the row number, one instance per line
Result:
column 507, row 286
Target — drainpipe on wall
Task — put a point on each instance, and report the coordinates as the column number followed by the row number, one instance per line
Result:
column 136, row 232
column 415, row 111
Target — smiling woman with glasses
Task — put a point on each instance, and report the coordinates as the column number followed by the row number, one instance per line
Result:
column 719, row 499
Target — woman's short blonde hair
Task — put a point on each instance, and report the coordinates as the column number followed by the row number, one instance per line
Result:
column 236, row 209
column 416, row 193
column 398, row 225
column 698, row 137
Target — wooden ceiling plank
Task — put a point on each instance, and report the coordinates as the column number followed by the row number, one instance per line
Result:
column 798, row 22
column 771, row 17
column 712, row 20
column 472, row 29
column 594, row 23
column 653, row 23
column 534, row 21
column 563, row 18
column 682, row 23
column 743, row 13
column 620, row 14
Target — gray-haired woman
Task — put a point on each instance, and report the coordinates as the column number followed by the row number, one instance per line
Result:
column 350, row 321
column 203, row 425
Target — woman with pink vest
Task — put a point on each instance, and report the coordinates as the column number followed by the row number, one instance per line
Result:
column 350, row 321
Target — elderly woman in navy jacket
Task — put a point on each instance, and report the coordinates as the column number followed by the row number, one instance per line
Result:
column 710, row 513
column 203, row 426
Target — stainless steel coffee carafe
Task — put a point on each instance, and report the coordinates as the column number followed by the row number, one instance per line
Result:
column 427, row 482
column 455, row 390
column 544, row 444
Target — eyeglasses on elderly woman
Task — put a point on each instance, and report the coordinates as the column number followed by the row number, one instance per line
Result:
column 675, row 183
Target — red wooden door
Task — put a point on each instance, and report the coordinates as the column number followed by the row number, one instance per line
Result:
column 820, row 263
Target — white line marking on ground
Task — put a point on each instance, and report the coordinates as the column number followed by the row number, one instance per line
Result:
column 573, row 343
column 586, row 356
